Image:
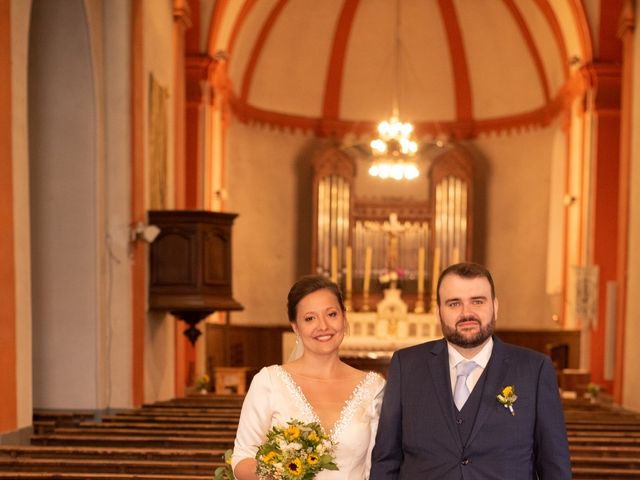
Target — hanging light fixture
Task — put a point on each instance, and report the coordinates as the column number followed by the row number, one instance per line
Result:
column 394, row 150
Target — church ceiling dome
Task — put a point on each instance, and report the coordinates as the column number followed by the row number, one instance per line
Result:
column 459, row 68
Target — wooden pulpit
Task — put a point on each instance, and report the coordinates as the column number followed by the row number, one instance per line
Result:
column 190, row 265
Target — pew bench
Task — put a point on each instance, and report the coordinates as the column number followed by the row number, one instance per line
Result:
column 106, row 465
column 117, row 453
column 97, row 476
column 156, row 441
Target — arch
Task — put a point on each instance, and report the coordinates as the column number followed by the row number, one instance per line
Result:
column 64, row 225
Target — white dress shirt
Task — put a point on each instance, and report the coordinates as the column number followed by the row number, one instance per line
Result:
column 481, row 358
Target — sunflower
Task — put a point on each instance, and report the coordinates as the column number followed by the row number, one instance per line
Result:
column 292, row 432
column 270, row 457
column 313, row 437
column 312, row 459
column 294, row 467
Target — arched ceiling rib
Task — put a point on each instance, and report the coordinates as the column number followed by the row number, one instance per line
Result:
column 466, row 67
column 458, row 60
column 531, row 45
column 333, row 86
column 257, row 48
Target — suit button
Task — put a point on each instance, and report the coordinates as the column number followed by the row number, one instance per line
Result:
column 465, row 461
column 459, row 421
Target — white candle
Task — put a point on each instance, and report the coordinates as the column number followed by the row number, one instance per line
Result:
column 436, row 274
column 347, row 259
column 420, row 270
column 334, row 264
column 456, row 255
column 367, row 269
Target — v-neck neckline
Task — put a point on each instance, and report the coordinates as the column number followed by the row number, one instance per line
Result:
column 346, row 412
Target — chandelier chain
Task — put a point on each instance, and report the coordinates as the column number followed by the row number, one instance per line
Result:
column 394, row 150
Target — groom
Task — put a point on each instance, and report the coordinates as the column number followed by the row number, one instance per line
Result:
column 441, row 416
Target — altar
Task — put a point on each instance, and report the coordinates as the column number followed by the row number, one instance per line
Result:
column 373, row 336
column 371, row 340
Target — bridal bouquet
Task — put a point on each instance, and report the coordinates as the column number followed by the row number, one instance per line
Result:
column 296, row 451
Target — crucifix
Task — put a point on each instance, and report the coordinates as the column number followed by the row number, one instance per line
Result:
column 393, row 228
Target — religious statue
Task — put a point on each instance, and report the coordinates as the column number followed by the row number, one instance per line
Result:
column 392, row 310
column 393, row 228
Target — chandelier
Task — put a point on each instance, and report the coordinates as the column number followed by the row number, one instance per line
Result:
column 394, row 150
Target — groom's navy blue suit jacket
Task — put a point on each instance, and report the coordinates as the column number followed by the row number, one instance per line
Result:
column 418, row 437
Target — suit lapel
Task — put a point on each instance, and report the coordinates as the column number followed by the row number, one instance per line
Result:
column 496, row 371
column 439, row 368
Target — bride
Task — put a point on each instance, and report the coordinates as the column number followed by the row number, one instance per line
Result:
column 315, row 387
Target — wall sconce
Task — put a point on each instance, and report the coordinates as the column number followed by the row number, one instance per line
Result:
column 147, row 233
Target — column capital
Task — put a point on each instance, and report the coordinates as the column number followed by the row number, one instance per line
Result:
column 199, row 69
column 182, row 13
column 605, row 80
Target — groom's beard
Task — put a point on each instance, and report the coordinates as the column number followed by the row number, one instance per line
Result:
column 457, row 338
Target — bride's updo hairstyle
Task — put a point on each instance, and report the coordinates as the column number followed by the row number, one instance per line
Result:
column 306, row 285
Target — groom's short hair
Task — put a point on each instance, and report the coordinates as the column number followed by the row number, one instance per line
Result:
column 466, row 270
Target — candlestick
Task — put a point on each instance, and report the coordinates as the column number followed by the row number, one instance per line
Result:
column 419, row 308
column 456, row 255
column 367, row 279
column 347, row 261
column 436, row 275
column 348, row 278
column 334, row 264
column 420, row 269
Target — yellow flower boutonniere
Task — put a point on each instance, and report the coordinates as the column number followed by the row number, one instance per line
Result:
column 508, row 397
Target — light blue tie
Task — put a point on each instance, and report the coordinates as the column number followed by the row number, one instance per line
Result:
column 461, row 391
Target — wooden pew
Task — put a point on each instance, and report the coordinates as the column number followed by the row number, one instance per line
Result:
column 156, row 441
column 604, row 441
column 633, row 452
column 586, row 473
column 154, row 426
column 200, row 431
column 213, row 456
column 105, row 465
column 61, row 475
column 185, row 439
column 70, row 446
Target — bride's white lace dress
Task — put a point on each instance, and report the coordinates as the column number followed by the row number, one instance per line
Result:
column 274, row 398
